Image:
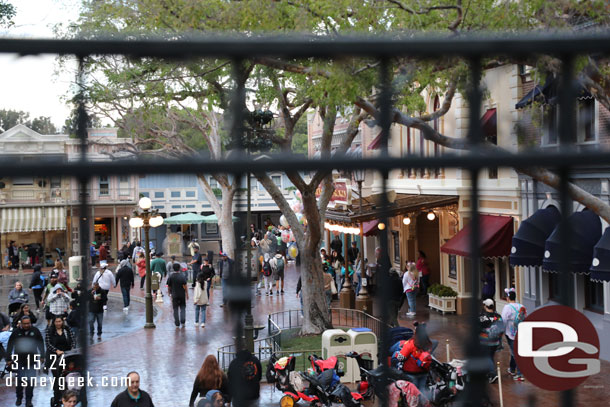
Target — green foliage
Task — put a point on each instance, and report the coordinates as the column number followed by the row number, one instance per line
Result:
column 442, row 291
column 7, row 12
column 11, row 118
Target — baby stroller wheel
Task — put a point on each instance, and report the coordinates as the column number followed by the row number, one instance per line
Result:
column 287, row 401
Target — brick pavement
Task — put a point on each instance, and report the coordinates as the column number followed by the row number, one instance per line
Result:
column 169, row 358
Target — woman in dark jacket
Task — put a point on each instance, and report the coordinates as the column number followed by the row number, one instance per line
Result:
column 58, row 340
column 37, row 284
column 210, row 377
column 23, row 311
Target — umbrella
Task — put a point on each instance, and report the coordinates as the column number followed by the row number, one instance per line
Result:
column 214, row 219
column 185, row 219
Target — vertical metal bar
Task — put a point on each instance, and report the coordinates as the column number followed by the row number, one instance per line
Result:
column 478, row 363
column 567, row 134
column 84, row 219
column 383, row 276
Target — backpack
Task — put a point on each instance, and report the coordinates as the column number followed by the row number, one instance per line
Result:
column 266, row 268
column 520, row 315
column 279, row 264
column 496, row 330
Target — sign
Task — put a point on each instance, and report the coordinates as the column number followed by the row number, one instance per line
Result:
column 342, row 194
column 557, row 348
column 174, row 244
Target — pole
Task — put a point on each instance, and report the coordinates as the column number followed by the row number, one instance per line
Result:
column 249, row 320
column 500, row 384
column 149, row 302
column 360, row 195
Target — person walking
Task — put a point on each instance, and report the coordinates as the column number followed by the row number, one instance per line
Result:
column 69, row 398
column 133, row 395
column 158, row 265
column 103, row 252
column 490, row 335
column 46, row 293
column 26, row 345
column 278, row 264
column 124, row 277
column 93, row 253
column 245, row 374
column 336, row 244
column 141, row 265
column 397, row 296
column 177, row 289
column 207, row 272
column 24, row 311
column 410, row 283
column 37, row 284
column 195, row 263
column 96, row 310
column 489, row 282
column 137, row 250
column 509, row 314
column 225, row 267
column 169, row 266
column 210, row 377
column 353, row 252
column 424, row 272
column 106, row 280
column 200, row 299
column 59, row 302
column 328, row 292
column 59, row 340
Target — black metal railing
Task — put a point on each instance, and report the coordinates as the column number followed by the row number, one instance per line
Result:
column 237, row 49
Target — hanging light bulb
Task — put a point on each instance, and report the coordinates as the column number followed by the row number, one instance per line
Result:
column 381, row 226
column 406, row 221
column 431, row 215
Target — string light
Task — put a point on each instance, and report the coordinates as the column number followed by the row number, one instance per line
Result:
column 406, row 221
column 381, row 226
column 431, row 215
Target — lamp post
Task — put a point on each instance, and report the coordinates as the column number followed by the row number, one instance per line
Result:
column 363, row 300
column 147, row 219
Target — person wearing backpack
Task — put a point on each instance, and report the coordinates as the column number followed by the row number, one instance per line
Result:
column 490, row 334
column 267, row 272
column 278, row 263
column 37, row 284
column 512, row 314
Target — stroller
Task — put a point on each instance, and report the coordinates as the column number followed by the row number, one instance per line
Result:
column 71, row 369
column 13, row 310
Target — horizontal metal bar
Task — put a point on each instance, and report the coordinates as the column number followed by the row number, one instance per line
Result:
column 237, row 164
column 306, row 45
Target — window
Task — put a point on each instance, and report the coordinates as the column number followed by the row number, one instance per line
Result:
column 551, row 126
column 190, row 194
column 104, row 185
column 189, row 206
column 586, row 120
column 23, row 181
column 277, row 180
column 490, row 133
column 55, row 182
column 594, row 295
column 254, row 184
column 213, row 183
column 554, row 291
column 159, row 194
column 123, row 185
column 145, row 194
column 175, row 194
column 176, row 206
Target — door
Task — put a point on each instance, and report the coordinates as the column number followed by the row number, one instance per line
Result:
column 428, row 242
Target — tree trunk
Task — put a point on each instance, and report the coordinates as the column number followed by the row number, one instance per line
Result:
column 317, row 317
column 225, row 223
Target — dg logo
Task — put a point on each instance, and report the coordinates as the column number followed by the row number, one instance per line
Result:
column 557, row 348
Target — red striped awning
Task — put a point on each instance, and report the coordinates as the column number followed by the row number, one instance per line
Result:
column 370, row 228
column 376, row 143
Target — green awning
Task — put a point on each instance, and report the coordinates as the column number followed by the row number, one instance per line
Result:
column 185, row 219
column 214, row 219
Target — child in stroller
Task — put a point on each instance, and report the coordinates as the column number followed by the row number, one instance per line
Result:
column 71, row 367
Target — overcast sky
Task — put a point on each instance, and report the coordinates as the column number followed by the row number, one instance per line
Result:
column 30, row 83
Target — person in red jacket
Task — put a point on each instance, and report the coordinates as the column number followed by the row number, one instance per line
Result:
column 416, row 358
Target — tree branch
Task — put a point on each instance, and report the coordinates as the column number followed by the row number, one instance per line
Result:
column 446, row 102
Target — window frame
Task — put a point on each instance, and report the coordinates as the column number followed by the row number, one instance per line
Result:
column 594, row 295
column 159, row 195
column 100, row 184
column 175, row 194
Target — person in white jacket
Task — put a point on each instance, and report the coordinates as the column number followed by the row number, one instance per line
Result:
column 200, row 299
column 106, row 280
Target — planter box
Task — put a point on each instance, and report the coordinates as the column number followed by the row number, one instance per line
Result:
column 442, row 304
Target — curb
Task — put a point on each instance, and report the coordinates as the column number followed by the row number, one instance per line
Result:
column 117, row 296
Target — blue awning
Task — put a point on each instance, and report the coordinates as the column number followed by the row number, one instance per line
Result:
column 585, row 231
column 549, row 93
column 529, row 241
column 600, row 270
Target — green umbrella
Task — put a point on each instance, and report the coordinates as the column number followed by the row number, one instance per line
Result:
column 214, row 219
column 185, row 219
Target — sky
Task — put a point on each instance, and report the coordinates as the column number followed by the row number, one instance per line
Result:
column 32, row 84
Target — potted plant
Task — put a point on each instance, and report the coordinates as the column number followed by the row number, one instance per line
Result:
column 442, row 298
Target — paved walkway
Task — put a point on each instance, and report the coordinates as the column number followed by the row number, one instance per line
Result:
column 169, row 358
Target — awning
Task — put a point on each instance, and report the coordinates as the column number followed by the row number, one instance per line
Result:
column 185, row 219
column 213, row 219
column 549, row 93
column 585, row 231
column 370, row 228
column 600, row 270
column 489, row 122
column 32, row 219
column 495, row 237
column 376, row 143
column 528, row 243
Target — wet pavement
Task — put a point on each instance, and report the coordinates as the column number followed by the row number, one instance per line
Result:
column 168, row 358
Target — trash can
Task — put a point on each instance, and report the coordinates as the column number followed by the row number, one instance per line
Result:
column 74, row 269
column 364, row 341
column 337, row 342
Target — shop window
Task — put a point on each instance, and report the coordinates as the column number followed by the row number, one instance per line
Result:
column 396, row 241
column 554, row 290
column 594, row 295
column 104, row 185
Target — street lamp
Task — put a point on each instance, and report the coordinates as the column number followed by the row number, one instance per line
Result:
column 359, row 178
column 147, row 219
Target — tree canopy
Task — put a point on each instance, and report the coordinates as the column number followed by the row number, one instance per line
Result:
column 11, row 118
column 7, row 12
